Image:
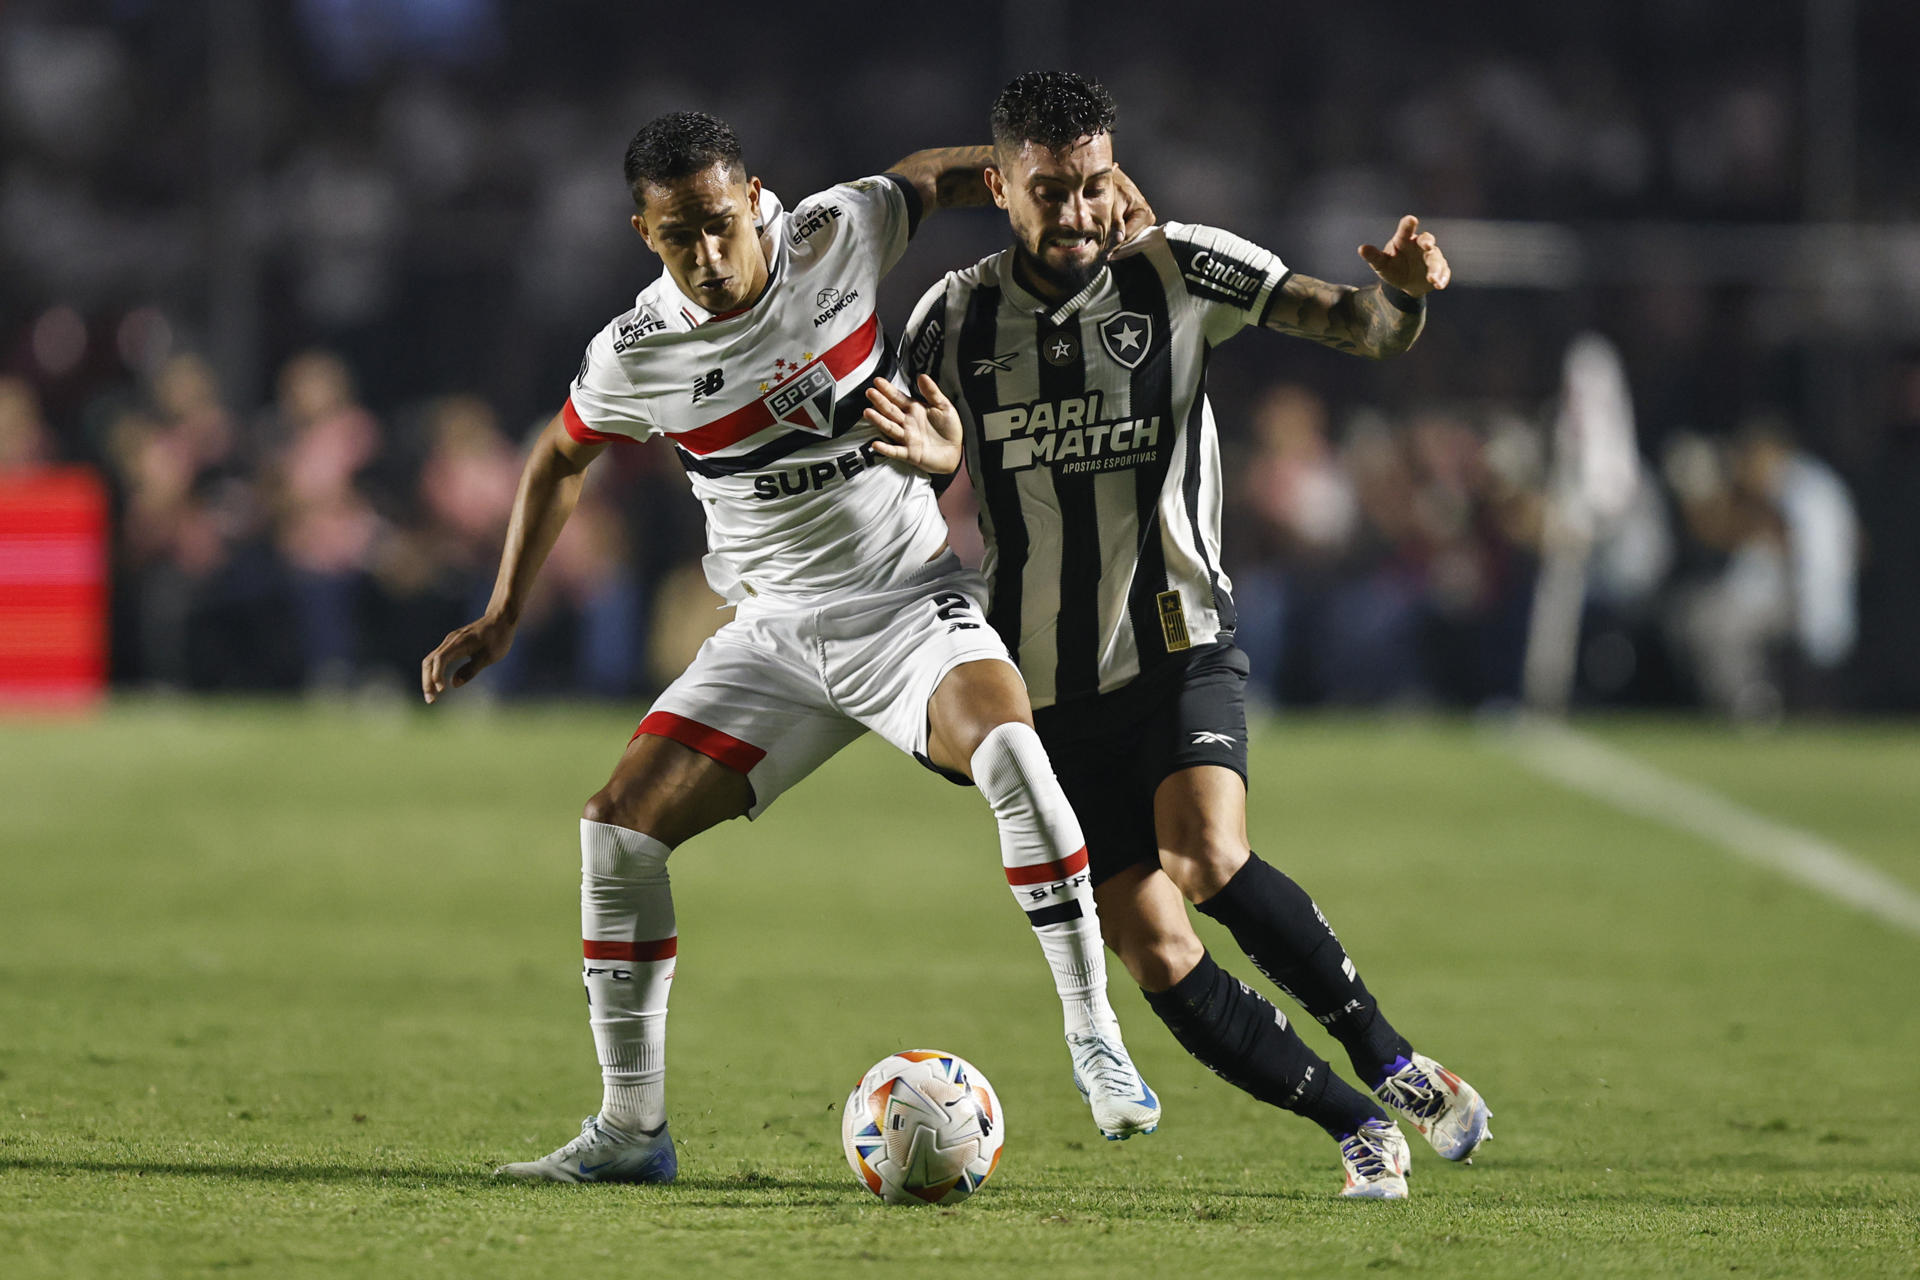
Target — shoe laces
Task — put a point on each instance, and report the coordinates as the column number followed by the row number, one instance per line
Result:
column 590, row 1132
column 1365, row 1152
column 1409, row 1090
column 1099, row 1062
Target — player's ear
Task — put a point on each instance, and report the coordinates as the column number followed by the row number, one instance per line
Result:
column 753, row 200
column 640, row 226
column 996, row 184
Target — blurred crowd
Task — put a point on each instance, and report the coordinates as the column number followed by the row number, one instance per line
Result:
column 1381, row 560
column 298, row 278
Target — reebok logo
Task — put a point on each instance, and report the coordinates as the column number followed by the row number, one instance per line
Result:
column 1211, row 738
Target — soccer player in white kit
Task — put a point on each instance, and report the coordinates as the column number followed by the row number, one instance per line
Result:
column 751, row 355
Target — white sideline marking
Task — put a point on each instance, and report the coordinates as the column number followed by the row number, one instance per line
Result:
column 1581, row 763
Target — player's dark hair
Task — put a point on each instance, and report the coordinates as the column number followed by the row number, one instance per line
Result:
column 678, row 145
column 1052, row 108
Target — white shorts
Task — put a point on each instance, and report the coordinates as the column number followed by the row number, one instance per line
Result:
column 775, row 692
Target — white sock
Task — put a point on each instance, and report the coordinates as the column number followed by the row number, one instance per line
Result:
column 1045, row 857
column 629, row 942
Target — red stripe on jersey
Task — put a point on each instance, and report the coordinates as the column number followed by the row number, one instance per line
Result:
column 1072, row 864
column 845, row 356
column 710, row 742
column 658, row 949
column 579, row 430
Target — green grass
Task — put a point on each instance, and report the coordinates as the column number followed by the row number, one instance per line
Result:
column 279, row 986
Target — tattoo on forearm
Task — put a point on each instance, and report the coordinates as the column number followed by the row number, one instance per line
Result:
column 1361, row 321
column 954, row 174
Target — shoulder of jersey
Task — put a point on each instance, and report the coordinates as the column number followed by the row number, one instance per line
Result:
column 814, row 224
column 648, row 318
column 984, row 272
column 1218, row 265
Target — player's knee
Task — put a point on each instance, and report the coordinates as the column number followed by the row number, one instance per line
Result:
column 603, row 806
column 620, row 803
column 1158, row 958
column 1202, row 864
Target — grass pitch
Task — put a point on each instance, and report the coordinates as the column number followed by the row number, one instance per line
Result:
column 278, row 987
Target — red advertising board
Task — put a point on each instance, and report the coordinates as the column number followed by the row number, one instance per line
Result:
column 53, row 588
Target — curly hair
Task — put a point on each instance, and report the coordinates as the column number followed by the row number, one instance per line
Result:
column 1052, row 108
column 676, row 145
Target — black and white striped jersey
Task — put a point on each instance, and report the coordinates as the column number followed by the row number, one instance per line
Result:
column 1093, row 449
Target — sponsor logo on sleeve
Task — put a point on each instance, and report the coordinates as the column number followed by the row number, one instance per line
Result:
column 632, row 330
column 1224, row 277
column 924, row 354
column 804, row 225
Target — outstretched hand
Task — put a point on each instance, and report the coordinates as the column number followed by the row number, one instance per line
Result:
column 1411, row 262
column 925, row 436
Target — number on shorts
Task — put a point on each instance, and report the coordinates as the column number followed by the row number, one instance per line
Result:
column 952, row 605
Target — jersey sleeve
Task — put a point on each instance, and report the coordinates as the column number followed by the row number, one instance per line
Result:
column 924, row 341
column 602, row 406
column 874, row 213
column 923, row 346
column 1229, row 280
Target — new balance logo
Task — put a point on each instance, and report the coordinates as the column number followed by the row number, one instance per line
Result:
column 995, row 364
column 1211, row 738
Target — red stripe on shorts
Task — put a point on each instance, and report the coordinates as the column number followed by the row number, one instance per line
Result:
column 658, row 949
column 727, row 749
column 1072, row 864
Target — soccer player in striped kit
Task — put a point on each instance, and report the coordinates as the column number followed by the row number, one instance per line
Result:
column 750, row 354
column 1073, row 376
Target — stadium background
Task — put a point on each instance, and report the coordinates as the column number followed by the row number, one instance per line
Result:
column 297, row 280
column 282, row 978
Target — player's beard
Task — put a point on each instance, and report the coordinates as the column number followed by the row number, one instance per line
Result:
column 1066, row 281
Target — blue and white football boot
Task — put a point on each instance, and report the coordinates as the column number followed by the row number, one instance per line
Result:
column 1122, row 1103
column 602, row 1153
column 1376, row 1157
column 1442, row 1106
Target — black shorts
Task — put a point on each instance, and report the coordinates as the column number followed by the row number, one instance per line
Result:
column 1111, row 752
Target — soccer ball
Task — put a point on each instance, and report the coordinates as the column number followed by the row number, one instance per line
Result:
column 922, row 1127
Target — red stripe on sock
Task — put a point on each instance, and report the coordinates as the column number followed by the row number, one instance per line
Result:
column 658, row 949
column 708, row 741
column 1072, row 864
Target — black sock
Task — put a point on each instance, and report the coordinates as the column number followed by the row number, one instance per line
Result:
column 1246, row 1042
column 1288, row 940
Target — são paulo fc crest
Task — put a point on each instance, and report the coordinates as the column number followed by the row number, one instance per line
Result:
column 1127, row 336
column 805, row 402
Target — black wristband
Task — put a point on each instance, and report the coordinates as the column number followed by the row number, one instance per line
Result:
column 1402, row 299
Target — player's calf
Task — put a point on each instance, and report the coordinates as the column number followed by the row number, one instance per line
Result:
column 1045, row 858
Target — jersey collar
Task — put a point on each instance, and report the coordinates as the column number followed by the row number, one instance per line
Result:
column 1010, row 283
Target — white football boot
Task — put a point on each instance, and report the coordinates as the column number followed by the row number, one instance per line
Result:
column 1376, row 1157
column 1442, row 1106
column 1122, row 1103
column 602, row 1154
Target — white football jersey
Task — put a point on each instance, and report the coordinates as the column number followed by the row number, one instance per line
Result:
column 763, row 406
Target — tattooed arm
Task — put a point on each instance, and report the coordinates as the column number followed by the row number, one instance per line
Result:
column 947, row 177
column 1378, row 321
column 955, row 178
